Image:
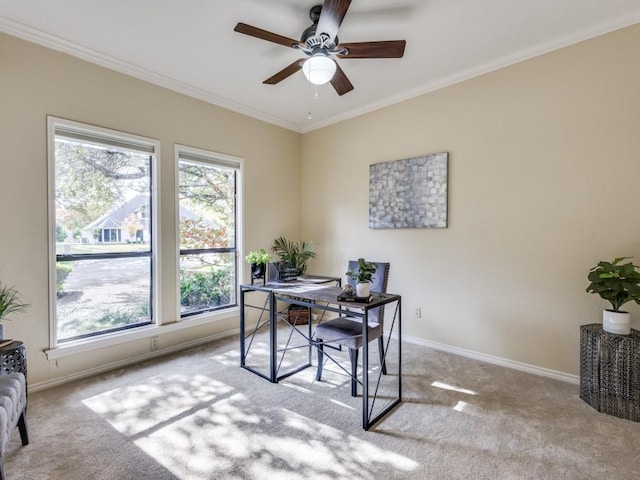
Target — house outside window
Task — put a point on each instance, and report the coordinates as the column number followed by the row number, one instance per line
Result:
column 102, row 230
column 208, row 219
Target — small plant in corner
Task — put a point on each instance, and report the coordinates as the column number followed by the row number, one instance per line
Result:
column 618, row 283
column 615, row 282
column 10, row 302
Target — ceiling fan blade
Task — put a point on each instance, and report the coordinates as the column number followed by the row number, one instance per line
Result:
column 386, row 49
column 285, row 72
column 340, row 82
column 333, row 12
column 265, row 35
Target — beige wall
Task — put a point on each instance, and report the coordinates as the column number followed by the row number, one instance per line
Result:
column 543, row 172
column 36, row 82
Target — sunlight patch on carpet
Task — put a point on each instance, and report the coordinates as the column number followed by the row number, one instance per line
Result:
column 136, row 408
column 277, row 443
column 446, row 386
column 197, row 427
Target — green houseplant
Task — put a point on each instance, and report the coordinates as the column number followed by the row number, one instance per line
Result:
column 293, row 263
column 293, row 255
column 363, row 275
column 258, row 260
column 10, row 303
column 618, row 283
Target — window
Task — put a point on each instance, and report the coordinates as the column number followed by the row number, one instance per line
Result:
column 208, row 235
column 102, row 230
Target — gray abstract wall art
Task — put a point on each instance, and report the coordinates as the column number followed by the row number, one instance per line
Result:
column 409, row 193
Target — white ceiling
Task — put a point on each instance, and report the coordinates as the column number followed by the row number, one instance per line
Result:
column 190, row 46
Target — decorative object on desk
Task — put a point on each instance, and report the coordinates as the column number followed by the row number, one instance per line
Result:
column 10, row 303
column 409, row 193
column 363, row 275
column 258, row 260
column 352, row 298
column 349, row 295
column 293, row 257
column 618, row 284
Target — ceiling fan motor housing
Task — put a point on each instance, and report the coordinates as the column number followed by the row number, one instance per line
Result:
column 317, row 43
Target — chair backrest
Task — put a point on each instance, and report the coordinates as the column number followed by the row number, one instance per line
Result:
column 380, row 279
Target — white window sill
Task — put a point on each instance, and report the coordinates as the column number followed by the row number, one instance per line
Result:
column 118, row 338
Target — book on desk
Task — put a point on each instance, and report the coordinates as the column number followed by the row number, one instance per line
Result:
column 343, row 297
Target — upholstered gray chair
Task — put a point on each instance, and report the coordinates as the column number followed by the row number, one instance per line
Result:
column 13, row 404
column 347, row 330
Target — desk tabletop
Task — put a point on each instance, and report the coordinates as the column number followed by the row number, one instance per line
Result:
column 313, row 288
column 301, row 281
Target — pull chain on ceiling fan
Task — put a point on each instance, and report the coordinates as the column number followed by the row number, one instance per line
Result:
column 320, row 44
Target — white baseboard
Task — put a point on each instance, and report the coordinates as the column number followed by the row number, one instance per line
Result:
column 545, row 372
column 34, row 387
column 503, row 362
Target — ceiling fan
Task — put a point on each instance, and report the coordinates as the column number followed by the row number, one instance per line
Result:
column 320, row 44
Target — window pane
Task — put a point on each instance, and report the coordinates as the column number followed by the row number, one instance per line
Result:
column 207, row 206
column 102, row 295
column 207, row 222
column 102, row 199
column 207, row 282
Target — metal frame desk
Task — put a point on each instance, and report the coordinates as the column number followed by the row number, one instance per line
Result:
column 313, row 295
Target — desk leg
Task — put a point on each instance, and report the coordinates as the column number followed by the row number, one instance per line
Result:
column 242, row 328
column 369, row 414
column 399, row 349
column 273, row 338
column 365, row 371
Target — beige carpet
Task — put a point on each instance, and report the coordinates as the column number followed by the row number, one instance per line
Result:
column 197, row 415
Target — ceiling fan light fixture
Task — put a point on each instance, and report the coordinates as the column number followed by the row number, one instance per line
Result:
column 319, row 69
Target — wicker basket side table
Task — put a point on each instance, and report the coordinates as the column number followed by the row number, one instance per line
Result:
column 610, row 371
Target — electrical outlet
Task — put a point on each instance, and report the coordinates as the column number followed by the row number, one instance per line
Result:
column 418, row 312
column 155, row 343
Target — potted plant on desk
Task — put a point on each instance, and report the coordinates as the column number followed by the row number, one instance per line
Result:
column 293, row 257
column 293, row 263
column 9, row 303
column 618, row 284
column 363, row 275
column 258, row 259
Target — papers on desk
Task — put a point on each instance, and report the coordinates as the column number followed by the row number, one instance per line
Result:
column 300, row 288
column 311, row 280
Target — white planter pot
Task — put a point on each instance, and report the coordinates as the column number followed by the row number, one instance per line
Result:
column 616, row 322
column 363, row 289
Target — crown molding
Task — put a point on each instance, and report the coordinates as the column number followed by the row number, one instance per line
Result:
column 481, row 69
column 55, row 43
column 92, row 56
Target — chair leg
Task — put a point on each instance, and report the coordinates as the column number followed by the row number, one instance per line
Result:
column 353, row 355
column 320, row 358
column 381, row 350
column 22, row 426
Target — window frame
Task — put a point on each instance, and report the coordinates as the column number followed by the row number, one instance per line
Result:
column 96, row 132
column 220, row 160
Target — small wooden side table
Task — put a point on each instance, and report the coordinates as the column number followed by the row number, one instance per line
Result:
column 610, row 371
column 13, row 358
